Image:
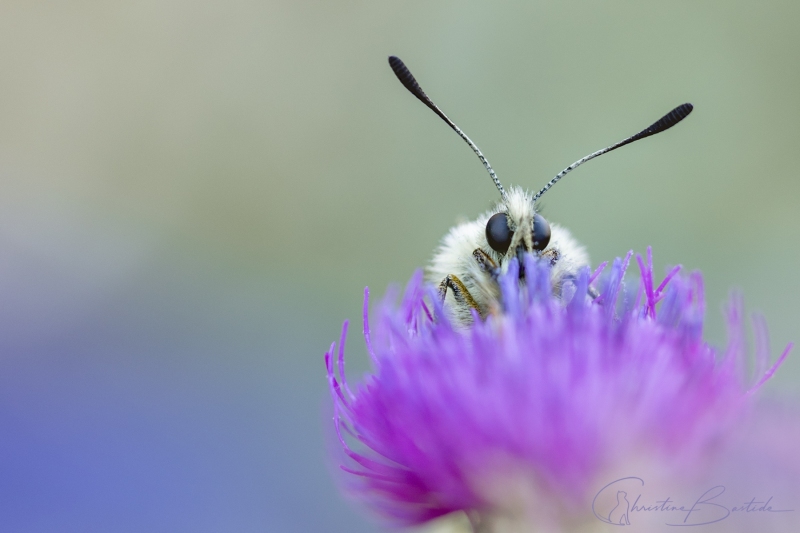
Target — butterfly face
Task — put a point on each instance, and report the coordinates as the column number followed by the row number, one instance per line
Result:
column 472, row 255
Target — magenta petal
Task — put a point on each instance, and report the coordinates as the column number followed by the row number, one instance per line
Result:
column 552, row 393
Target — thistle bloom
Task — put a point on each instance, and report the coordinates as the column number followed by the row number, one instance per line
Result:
column 519, row 419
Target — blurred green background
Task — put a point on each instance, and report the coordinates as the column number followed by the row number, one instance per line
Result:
column 194, row 194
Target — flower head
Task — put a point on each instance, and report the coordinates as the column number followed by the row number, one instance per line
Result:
column 521, row 415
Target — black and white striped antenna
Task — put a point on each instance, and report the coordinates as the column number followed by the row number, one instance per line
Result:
column 408, row 81
column 662, row 124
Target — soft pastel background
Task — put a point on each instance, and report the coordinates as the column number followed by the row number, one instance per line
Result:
column 194, row 194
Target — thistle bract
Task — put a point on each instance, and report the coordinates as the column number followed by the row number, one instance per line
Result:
column 522, row 414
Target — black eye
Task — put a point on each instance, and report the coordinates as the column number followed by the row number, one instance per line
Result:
column 541, row 232
column 498, row 233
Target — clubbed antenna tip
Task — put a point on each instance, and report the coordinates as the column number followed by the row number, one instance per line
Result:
column 410, row 83
column 662, row 124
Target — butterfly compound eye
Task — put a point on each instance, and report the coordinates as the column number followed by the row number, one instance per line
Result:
column 541, row 232
column 498, row 234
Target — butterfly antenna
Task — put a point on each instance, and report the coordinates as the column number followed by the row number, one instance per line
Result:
column 662, row 124
column 408, row 81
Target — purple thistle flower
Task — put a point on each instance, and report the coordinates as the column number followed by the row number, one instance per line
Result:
column 519, row 418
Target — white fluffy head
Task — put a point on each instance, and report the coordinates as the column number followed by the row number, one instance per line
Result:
column 454, row 256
